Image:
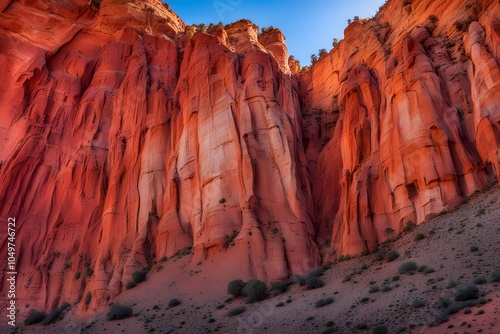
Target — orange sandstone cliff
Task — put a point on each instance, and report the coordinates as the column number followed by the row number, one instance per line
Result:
column 128, row 137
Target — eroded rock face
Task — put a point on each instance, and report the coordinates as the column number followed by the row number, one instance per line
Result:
column 408, row 124
column 126, row 140
column 128, row 137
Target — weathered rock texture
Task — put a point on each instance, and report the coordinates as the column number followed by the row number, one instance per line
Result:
column 128, row 137
column 408, row 109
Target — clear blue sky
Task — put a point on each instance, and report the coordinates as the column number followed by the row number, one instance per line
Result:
column 308, row 25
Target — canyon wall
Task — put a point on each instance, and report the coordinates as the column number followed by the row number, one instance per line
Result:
column 128, row 137
column 401, row 119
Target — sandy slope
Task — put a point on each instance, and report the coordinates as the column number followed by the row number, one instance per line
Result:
column 447, row 251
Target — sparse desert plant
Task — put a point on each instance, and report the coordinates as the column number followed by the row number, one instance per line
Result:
column 88, row 298
column 421, row 268
column 218, row 307
column 409, row 226
column 236, row 310
column 361, row 326
column 480, row 280
column 130, row 285
column 65, row 305
column 467, row 310
column 318, row 271
column 174, row 302
column 280, row 304
column 347, row 278
column 395, row 278
column 407, row 268
column 474, row 248
column 78, row 274
column 52, row 316
column 428, row 270
column 90, row 271
column 444, row 302
column 389, row 231
column 419, row 236
column 299, row 279
column 466, row 292
column 313, row 282
column 119, row 312
column 480, row 212
column 418, row 303
column 392, row 255
column 323, row 302
column 374, row 289
column 280, row 287
column 138, row 276
column 380, row 255
column 380, row 329
column 34, row 317
column 235, row 287
column 495, row 276
column 451, row 284
column 386, row 288
column 255, row 290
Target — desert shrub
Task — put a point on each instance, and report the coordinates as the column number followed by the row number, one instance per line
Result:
column 347, row 278
column 235, row 287
column 88, row 298
column 480, row 280
column 78, row 274
column 222, row 200
column 364, row 300
column 379, row 256
column 313, row 282
column 419, row 236
column 255, row 290
column 386, row 288
column 374, row 289
column 495, row 276
column 90, row 271
column 218, row 307
column 280, row 304
column 361, row 326
column 428, row 270
column 409, row 226
column 389, row 231
column 174, row 302
column 228, row 300
column 444, row 302
column 453, row 308
column 318, row 271
column 299, row 279
column 34, row 317
column 466, row 292
column 474, row 248
column 421, row 268
column 380, row 329
column 280, row 287
column 407, row 267
column 395, row 278
column 441, row 318
column 392, row 255
column 65, row 305
column 119, row 312
column 323, row 302
column 236, row 310
column 138, row 276
column 417, row 303
column 130, row 285
column 52, row 316
column 467, row 310
column 451, row 284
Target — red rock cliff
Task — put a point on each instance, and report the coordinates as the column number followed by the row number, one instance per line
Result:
column 127, row 137
column 408, row 110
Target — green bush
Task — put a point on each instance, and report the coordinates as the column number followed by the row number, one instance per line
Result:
column 65, row 305
column 255, row 290
column 318, row 271
column 138, row 276
column 418, row 303
column 299, row 279
column 407, row 267
column 52, row 316
column 480, row 280
column 419, row 236
column 409, row 226
column 235, row 287
column 474, row 248
column 88, row 298
column 380, row 329
column 495, row 276
column 374, row 289
column 34, row 317
column 130, row 285
column 218, row 307
column 90, row 271
column 428, row 270
column 236, row 310
column 323, row 302
column 313, row 282
column 280, row 304
column 466, row 292
column 386, row 288
column 280, row 287
column 119, row 312
column 392, row 255
column 174, row 302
